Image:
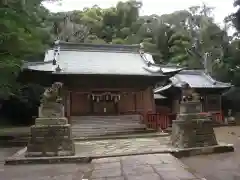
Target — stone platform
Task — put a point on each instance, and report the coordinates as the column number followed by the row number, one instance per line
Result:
column 88, row 150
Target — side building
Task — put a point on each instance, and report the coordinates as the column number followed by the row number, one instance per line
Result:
column 209, row 89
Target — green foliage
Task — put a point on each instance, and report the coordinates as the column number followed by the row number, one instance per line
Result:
column 182, row 37
column 22, row 34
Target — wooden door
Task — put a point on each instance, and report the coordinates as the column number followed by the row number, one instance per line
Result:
column 80, row 104
column 104, row 107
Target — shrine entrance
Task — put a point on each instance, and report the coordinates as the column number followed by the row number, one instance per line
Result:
column 105, row 108
column 105, row 103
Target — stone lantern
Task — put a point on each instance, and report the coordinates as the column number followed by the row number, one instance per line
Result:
column 192, row 128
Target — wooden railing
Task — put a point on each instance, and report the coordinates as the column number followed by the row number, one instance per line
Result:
column 160, row 121
column 218, row 117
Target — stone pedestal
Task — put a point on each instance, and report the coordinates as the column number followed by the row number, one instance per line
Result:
column 230, row 120
column 51, row 135
column 191, row 128
column 51, row 110
column 194, row 133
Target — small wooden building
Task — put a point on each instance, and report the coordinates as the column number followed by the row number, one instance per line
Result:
column 99, row 79
column 209, row 89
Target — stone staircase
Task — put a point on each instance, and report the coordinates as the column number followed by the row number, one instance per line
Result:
column 88, row 126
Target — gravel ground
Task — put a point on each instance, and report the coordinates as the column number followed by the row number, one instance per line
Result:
column 219, row 166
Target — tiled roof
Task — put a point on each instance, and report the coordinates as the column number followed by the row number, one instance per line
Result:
column 97, row 59
column 195, row 78
column 164, row 68
column 162, row 88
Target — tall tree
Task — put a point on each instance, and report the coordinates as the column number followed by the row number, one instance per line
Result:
column 22, row 34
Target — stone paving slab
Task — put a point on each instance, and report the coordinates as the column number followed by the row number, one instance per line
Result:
column 120, row 146
column 140, row 167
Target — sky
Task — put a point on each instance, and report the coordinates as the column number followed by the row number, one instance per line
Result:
column 222, row 7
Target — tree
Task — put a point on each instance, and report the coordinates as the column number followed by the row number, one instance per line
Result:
column 235, row 17
column 22, row 34
column 182, row 37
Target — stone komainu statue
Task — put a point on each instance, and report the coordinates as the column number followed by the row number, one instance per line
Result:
column 52, row 94
column 189, row 94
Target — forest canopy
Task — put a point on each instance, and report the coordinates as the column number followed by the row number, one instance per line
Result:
column 188, row 38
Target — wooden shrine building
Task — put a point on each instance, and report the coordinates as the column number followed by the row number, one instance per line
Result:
column 99, row 79
column 209, row 89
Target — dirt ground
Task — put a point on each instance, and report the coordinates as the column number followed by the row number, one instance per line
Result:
column 219, row 166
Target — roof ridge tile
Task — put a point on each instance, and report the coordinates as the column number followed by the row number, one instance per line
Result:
column 103, row 47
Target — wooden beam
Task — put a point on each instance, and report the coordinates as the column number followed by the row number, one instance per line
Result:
column 105, row 89
column 87, row 91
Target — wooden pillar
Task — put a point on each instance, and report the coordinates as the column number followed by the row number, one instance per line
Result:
column 205, row 104
column 153, row 100
column 135, row 102
column 144, row 106
column 68, row 106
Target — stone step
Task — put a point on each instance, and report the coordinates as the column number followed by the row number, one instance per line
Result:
column 108, row 117
column 96, row 134
column 109, row 130
column 22, row 141
column 102, row 119
column 103, row 130
column 106, row 122
column 113, row 127
column 105, row 119
column 106, row 126
column 111, row 120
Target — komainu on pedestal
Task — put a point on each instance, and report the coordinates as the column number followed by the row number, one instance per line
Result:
column 192, row 128
column 51, row 135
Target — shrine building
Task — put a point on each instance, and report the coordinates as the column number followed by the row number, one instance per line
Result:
column 100, row 80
